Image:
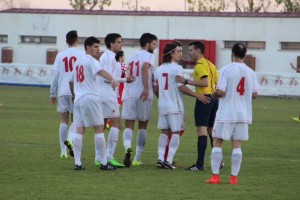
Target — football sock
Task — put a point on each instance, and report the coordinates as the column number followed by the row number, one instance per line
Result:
column 162, row 143
column 127, row 138
column 216, row 159
column 72, row 131
column 100, row 145
column 112, row 142
column 236, row 160
column 167, row 147
column 63, row 131
column 173, row 146
column 77, row 144
column 202, row 143
column 140, row 143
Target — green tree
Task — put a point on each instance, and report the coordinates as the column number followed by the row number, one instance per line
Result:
column 289, row 5
column 206, row 5
column 89, row 4
column 134, row 5
column 252, row 5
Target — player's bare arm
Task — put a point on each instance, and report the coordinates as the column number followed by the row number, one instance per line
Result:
column 203, row 82
column 108, row 77
column 254, row 95
column 219, row 93
column 204, row 99
column 145, row 74
column 71, row 85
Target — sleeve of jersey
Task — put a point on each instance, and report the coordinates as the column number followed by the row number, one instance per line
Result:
column 179, row 73
column 96, row 66
column 104, row 62
column 56, row 64
column 201, row 71
column 222, row 84
column 54, row 84
column 72, row 77
column 151, row 59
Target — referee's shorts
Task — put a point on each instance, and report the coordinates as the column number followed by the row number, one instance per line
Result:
column 205, row 114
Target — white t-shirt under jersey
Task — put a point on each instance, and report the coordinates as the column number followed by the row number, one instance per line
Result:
column 134, row 90
column 63, row 65
column 170, row 99
column 238, row 82
column 84, row 77
column 108, row 63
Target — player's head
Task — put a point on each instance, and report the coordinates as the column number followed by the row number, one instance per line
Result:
column 148, row 42
column 119, row 56
column 172, row 53
column 239, row 50
column 180, row 47
column 113, row 41
column 196, row 50
column 92, row 46
column 71, row 37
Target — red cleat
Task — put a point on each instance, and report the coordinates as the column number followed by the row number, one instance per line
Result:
column 214, row 179
column 233, row 180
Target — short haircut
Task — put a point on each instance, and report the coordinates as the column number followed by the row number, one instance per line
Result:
column 90, row 41
column 239, row 50
column 71, row 37
column 177, row 43
column 119, row 55
column 168, row 50
column 198, row 45
column 111, row 38
column 147, row 38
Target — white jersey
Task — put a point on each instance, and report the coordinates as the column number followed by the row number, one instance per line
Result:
column 85, row 78
column 170, row 99
column 63, row 65
column 108, row 63
column 134, row 90
column 238, row 82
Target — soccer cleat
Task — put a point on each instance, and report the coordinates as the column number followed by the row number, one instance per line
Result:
column 97, row 163
column 194, row 167
column 127, row 160
column 297, row 119
column 233, row 180
column 214, row 179
column 69, row 145
column 107, row 167
column 222, row 164
column 160, row 164
column 137, row 163
column 169, row 165
column 79, row 167
column 115, row 163
column 63, row 155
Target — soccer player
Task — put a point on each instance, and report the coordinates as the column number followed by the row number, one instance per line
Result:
column 60, row 91
column 87, row 106
column 170, row 103
column 109, row 96
column 297, row 119
column 237, row 87
column 205, row 78
column 120, row 58
column 138, row 96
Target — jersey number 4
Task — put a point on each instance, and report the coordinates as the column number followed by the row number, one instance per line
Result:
column 79, row 74
column 69, row 63
column 241, row 86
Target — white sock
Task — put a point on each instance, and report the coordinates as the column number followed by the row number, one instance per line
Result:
column 77, row 144
column 216, row 159
column 112, row 142
column 140, row 143
column 72, row 131
column 100, row 146
column 63, row 131
column 162, row 143
column 236, row 160
column 173, row 146
column 127, row 138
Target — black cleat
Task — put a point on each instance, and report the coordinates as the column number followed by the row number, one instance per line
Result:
column 169, row 165
column 79, row 167
column 127, row 160
column 107, row 167
column 194, row 167
column 160, row 164
column 70, row 147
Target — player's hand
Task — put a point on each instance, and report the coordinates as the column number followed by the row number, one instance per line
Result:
column 144, row 95
column 130, row 79
column 204, row 99
column 53, row 100
column 114, row 83
column 180, row 79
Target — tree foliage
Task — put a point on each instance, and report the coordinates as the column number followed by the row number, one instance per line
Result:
column 89, row 4
column 206, row 5
column 134, row 5
column 289, row 5
column 252, row 5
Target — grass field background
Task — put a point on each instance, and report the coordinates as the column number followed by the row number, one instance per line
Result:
column 30, row 167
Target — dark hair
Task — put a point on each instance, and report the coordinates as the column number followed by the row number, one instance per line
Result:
column 147, row 38
column 119, row 55
column 239, row 50
column 90, row 41
column 168, row 50
column 111, row 38
column 177, row 43
column 71, row 37
column 198, row 45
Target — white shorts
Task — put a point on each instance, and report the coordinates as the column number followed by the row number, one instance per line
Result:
column 88, row 112
column 136, row 109
column 110, row 110
column 228, row 131
column 65, row 104
column 174, row 122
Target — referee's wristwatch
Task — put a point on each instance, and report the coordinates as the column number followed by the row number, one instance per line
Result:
column 186, row 81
